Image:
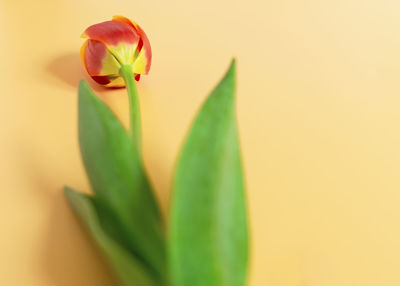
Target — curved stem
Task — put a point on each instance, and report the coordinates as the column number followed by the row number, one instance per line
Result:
column 134, row 109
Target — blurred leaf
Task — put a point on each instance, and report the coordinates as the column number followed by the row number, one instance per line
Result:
column 119, row 182
column 208, row 238
column 128, row 268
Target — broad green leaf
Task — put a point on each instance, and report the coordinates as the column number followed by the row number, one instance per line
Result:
column 119, row 182
column 128, row 268
column 208, row 240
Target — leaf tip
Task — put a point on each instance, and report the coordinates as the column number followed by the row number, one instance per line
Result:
column 84, row 88
column 85, row 93
column 233, row 63
column 232, row 69
column 231, row 73
column 82, row 84
column 68, row 192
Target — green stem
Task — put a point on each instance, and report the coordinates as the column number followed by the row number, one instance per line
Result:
column 134, row 109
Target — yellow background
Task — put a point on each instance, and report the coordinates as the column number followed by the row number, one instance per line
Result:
column 318, row 110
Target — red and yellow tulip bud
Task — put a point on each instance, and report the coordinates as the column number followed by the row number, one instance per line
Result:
column 112, row 44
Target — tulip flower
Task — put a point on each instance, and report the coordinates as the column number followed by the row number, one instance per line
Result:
column 113, row 44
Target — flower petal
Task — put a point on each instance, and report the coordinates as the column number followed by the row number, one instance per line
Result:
column 142, row 63
column 117, row 82
column 144, row 48
column 109, row 81
column 120, row 39
column 98, row 60
column 101, row 79
column 112, row 33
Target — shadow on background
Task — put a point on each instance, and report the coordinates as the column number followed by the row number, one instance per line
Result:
column 68, row 69
column 67, row 255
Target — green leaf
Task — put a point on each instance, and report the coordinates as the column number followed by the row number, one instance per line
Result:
column 208, row 239
column 129, row 269
column 119, row 182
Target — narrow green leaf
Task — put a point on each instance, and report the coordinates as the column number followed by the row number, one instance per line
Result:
column 128, row 268
column 119, row 181
column 208, row 238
